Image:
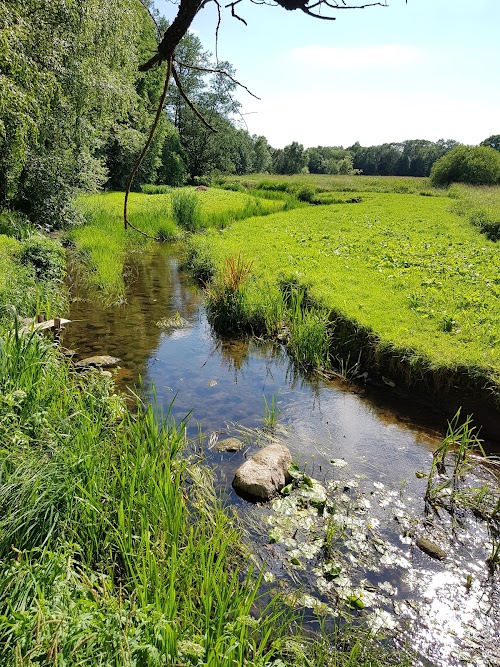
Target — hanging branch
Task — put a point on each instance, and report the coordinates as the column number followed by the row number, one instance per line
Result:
column 188, row 101
column 210, row 70
column 140, row 158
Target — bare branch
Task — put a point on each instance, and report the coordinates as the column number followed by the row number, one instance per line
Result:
column 217, row 31
column 188, row 101
column 142, row 154
column 217, row 71
column 233, row 13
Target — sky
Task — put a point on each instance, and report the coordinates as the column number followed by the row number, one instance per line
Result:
column 421, row 69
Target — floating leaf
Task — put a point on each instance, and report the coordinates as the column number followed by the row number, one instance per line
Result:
column 355, row 602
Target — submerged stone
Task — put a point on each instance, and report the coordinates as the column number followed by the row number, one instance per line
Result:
column 228, row 445
column 430, row 548
column 266, row 473
column 98, row 361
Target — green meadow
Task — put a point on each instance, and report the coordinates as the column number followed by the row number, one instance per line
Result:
column 400, row 275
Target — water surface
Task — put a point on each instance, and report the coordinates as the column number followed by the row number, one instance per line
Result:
column 225, row 385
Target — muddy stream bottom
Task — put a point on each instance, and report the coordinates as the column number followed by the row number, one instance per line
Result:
column 357, row 552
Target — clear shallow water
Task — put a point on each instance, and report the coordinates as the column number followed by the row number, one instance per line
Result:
column 223, row 385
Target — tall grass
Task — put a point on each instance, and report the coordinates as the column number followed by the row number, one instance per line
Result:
column 480, row 205
column 186, row 210
column 113, row 546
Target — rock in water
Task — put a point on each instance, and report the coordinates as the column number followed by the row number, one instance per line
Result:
column 430, row 548
column 228, row 445
column 99, row 361
column 266, row 473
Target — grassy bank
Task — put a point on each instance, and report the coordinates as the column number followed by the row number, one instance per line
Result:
column 102, row 243
column 480, row 206
column 397, row 281
column 114, row 549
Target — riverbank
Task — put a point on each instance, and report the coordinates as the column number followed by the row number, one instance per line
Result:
column 398, row 286
column 114, row 549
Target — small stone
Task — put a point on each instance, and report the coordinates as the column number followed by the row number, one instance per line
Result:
column 430, row 548
column 228, row 445
column 98, row 361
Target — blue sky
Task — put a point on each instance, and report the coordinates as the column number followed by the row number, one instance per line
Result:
column 428, row 69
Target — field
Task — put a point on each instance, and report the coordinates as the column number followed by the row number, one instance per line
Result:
column 404, row 279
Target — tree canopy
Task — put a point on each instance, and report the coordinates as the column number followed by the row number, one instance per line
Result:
column 476, row 165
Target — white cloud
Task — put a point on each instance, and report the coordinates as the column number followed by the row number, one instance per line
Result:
column 356, row 58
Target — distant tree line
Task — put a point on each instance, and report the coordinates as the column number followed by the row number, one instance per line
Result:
column 75, row 112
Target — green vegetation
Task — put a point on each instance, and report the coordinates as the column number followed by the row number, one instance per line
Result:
column 337, row 183
column 103, row 243
column 476, row 165
column 31, row 273
column 113, row 547
column 480, row 206
column 408, row 288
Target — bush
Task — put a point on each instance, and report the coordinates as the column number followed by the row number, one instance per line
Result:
column 307, row 194
column 186, row 210
column 15, row 224
column 45, row 256
column 476, row 165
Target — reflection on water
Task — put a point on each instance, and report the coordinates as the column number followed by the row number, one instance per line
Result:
column 224, row 384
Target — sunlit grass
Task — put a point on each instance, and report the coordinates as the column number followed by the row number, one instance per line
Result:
column 401, row 270
column 103, row 243
column 480, row 205
column 335, row 183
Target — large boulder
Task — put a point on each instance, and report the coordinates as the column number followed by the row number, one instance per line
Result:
column 266, row 473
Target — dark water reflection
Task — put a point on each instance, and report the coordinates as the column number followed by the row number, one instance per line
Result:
column 224, row 384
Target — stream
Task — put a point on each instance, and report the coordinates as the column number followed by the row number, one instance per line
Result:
column 367, row 455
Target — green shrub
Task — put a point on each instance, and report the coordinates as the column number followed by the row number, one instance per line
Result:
column 44, row 255
column 476, row 165
column 186, row 210
column 307, row 194
column 15, row 224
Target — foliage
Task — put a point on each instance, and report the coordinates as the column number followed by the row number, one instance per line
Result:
column 413, row 157
column 476, row 165
column 13, row 223
column 22, row 291
column 492, row 142
column 292, row 159
column 45, row 256
column 68, row 85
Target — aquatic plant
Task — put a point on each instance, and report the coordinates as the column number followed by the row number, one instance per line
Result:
column 271, row 412
column 226, row 296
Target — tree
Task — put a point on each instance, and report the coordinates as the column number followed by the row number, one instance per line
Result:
column 492, row 142
column 68, row 80
column 290, row 160
column 477, row 165
column 263, row 160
